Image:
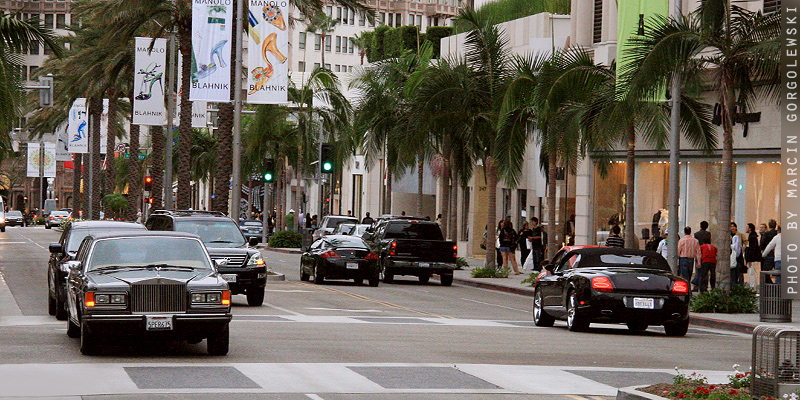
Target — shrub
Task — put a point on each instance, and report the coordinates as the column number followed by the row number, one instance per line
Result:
column 369, row 48
column 488, row 272
column 435, row 34
column 65, row 224
column 740, row 299
column 378, row 46
column 286, row 239
column 38, row 221
column 461, row 263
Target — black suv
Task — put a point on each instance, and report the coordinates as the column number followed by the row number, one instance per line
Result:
column 240, row 265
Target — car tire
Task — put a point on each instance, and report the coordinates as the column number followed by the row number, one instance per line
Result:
column 677, row 329
column 424, row 278
column 46, row 226
column 446, row 279
column 387, row 277
column 218, row 343
column 540, row 316
column 303, row 275
column 61, row 309
column 51, row 301
column 318, row 277
column 358, row 281
column 88, row 341
column 2, row 228
column 374, row 282
column 73, row 330
column 575, row 322
column 637, row 326
column 255, row 297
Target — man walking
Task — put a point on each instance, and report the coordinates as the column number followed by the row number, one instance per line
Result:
column 709, row 263
column 290, row 220
column 615, row 240
column 663, row 247
column 688, row 254
column 703, row 233
column 536, row 244
column 367, row 219
column 769, row 258
column 774, row 247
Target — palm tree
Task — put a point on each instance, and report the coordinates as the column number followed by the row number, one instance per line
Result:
column 738, row 52
column 324, row 24
column 362, row 43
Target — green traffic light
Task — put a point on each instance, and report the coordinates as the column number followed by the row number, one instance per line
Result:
column 327, row 166
column 268, row 177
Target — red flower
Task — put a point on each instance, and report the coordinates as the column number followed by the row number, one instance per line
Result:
column 733, row 391
column 712, row 387
column 681, row 395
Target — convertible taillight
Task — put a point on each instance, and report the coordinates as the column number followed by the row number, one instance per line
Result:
column 88, row 299
column 329, row 254
column 680, row 288
column 394, row 247
column 371, row 256
column 602, row 284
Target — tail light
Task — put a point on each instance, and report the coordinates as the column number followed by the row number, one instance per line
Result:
column 88, row 299
column 330, row 254
column 226, row 297
column 602, row 284
column 455, row 251
column 394, row 247
column 52, row 218
column 680, row 288
column 371, row 256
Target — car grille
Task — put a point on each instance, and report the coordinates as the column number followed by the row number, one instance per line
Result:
column 158, row 297
column 233, row 261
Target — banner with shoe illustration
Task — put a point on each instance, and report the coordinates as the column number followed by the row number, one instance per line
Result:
column 268, row 44
column 150, row 73
column 78, row 126
column 211, row 50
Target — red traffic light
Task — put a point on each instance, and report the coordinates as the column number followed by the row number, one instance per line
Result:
column 148, row 179
column 148, row 183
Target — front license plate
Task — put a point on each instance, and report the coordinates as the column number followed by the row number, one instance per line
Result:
column 158, row 323
column 229, row 277
column 424, row 265
column 352, row 265
column 639, row 302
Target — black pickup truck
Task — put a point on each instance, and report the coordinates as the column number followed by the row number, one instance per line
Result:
column 411, row 247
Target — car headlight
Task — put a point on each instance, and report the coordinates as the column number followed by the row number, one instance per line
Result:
column 223, row 297
column 102, row 298
column 93, row 299
column 256, row 259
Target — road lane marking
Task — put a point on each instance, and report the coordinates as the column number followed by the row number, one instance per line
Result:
column 340, row 309
column 283, row 309
column 32, row 241
column 385, row 303
column 8, row 304
column 495, row 305
column 1, row 242
column 313, row 396
column 288, row 291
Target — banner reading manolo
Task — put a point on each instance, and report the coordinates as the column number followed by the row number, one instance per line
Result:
column 148, row 102
column 211, row 54
column 268, row 44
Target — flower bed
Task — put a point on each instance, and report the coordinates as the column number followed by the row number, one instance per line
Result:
column 696, row 387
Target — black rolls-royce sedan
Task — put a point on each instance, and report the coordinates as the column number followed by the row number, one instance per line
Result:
column 340, row 257
column 148, row 283
column 608, row 285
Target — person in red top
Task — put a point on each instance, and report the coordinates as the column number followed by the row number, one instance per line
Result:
column 708, row 263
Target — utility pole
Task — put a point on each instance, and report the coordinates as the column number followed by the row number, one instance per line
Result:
column 236, row 190
column 171, row 78
column 41, row 178
column 91, row 163
column 674, row 160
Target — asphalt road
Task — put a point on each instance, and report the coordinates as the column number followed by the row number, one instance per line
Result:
column 404, row 340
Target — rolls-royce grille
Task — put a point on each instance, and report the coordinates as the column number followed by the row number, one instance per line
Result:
column 233, row 261
column 158, row 297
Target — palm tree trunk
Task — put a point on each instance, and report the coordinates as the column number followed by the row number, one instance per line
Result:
column 445, row 187
column 322, row 49
column 420, row 182
column 630, row 216
column 185, row 128
column 77, row 196
column 96, row 110
column 491, row 220
column 298, row 195
column 134, row 176
column 111, row 181
column 281, row 203
column 157, row 169
column 388, row 202
column 552, row 170
column 453, row 225
column 723, row 236
column 222, row 177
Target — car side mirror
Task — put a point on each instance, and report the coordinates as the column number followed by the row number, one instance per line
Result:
column 74, row 265
column 253, row 241
column 56, row 248
column 549, row 267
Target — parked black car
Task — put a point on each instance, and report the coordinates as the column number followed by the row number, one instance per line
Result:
column 609, row 285
column 340, row 257
column 65, row 250
column 15, row 218
column 240, row 265
column 413, row 247
column 252, row 228
column 152, row 283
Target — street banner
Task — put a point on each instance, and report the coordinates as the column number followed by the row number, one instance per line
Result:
column 46, row 161
column 78, row 127
column 104, row 128
column 62, row 144
column 268, row 44
column 198, row 107
column 632, row 16
column 49, row 160
column 148, row 104
column 211, row 50
column 33, row 160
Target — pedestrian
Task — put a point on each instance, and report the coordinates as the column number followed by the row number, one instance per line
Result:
column 708, row 262
column 314, row 223
column 774, row 247
column 688, row 254
column 367, row 219
column 402, row 213
column 271, row 222
column 508, row 242
column 752, row 256
column 768, row 264
column 703, row 233
column 439, row 219
column 290, row 220
column 537, row 246
column 524, row 241
column 663, row 248
column 737, row 260
column 349, row 213
column 614, row 239
column 498, row 255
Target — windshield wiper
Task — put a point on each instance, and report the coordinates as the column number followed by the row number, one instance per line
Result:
column 169, row 266
column 115, row 268
column 221, row 241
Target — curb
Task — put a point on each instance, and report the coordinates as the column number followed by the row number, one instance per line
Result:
column 740, row 327
column 276, row 277
column 630, row 393
column 524, row 291
column 279, row 250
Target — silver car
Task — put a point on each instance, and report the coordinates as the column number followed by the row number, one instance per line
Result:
column 55, row 219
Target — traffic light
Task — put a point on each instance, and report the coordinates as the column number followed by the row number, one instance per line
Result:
column 150, row 200
column 326, row 161
column 269, row 170
column 148, row 183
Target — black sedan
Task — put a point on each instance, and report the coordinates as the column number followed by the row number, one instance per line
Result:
column 608, row 285
column 156, row 284
column 340, row 257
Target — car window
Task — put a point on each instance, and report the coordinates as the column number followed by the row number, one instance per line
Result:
column 252, row 223
column 64, row 235
column 567, row 262
column 83, row 249
column 14, row 213
column 650, row 261
column 317, row 244
column 557, row 258
column 217, row 232
column 347, row 241
column 413, row 230
column 153, row 223
column 332, row 222
column 143, row 251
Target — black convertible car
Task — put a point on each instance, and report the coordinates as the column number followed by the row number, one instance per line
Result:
column 608, row 285
column 340, row 257
column 160, row 284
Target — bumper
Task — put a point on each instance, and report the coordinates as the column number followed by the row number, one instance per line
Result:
column 338, row 269
column 184, row 325
column 417, row 268
column 619, row 308
column 14, row 222
column 245, row 278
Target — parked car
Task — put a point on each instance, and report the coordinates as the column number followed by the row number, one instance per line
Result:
column 240, row 265
column 2, row 219
column 15, row 218
column 252, row 228
column 610, row 285
column 412, row 247
column 55, row 218
column 151, row 283
column 343, row 229
column 358, row 230
column 340, row 257
column 65, row 250
column 329, row 224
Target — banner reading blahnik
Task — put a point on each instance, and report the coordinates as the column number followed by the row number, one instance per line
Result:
column 268, row 44
column 148, row 103
column 790, row 154
column 211, row 54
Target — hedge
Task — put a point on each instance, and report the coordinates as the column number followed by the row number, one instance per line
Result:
column 435, row 35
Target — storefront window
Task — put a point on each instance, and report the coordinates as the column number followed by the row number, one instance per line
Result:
column 763, row 192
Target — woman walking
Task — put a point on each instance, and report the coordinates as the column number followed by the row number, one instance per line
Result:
column 508, row 243
column 752, row 256
column 525, row 234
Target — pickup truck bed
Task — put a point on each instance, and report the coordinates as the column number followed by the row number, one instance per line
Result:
column 415, row 248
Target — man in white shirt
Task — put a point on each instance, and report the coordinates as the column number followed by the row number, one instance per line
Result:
column 662, row 246
column 775, row 244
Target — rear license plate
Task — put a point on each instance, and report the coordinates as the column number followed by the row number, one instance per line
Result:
column 639, row 302
column 158, row 323
column 352, row 265
column 424, row 265
column 229, row 277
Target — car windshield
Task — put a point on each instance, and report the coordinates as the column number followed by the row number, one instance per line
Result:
column 76, row 236
column 133, row 252
column 413, row 230
column 213, row 232
column 344, row 228
column 252, row 223
column 332, row 222
column 14, row 213
column 635, row 260
column 359, row 230
column 347, row 241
